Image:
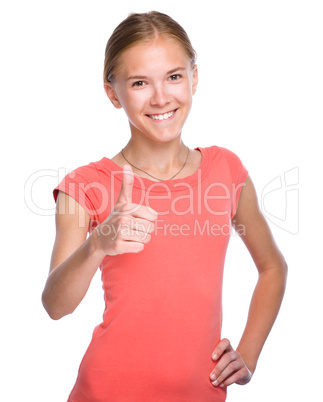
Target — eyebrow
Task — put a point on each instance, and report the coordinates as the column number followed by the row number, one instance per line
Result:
column 141, row 77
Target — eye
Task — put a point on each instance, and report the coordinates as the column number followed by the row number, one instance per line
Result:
column 138, row 84
column 175, row 77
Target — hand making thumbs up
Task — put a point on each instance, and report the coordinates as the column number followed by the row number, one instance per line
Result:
column 129, row 225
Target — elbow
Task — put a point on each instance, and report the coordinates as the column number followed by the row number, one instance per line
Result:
column 51, row 309
column 54, row 316
column 282, row 273
column 284, row 268
column 283, row 276
column 277, row 270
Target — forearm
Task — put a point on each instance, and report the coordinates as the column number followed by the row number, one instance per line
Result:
column 68, row 283
column 264, row 308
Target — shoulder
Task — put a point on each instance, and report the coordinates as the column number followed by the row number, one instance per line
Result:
column 90, row 169
column 224, row 157
column 89, row 174
column 228, row 154
column 81, row 177
column 88, row 185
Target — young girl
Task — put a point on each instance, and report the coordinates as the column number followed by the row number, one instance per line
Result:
column 159, row 217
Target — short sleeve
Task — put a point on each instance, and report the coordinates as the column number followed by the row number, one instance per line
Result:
column 84, row 186
column 239, row 174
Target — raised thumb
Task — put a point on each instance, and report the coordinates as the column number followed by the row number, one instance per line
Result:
column 125, row 194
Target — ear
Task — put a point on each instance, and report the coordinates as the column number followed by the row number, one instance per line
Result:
column 110, row 91
column 195, row 79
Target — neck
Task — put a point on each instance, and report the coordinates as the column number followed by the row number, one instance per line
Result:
column 161, row 159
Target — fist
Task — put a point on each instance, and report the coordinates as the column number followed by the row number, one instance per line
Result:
column 127, row 229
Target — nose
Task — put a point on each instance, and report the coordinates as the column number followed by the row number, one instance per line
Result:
column 159, row 96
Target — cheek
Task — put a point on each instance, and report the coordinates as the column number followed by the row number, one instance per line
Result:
column 184, row 93
column 134, row 106
column 137, row 100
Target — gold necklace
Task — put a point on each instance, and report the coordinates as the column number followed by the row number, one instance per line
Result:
column 154, row 176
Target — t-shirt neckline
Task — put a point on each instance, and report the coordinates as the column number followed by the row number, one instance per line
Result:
column 160, row 186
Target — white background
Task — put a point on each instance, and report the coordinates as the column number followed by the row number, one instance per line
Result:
column 260, row 95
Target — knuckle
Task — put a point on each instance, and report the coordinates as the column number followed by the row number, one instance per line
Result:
column 151, row 227
column 233, row 355
column 147, row 237
column 152, row 212
column 234, row 366
column 124, row 207
column 226, row 341
column 227, row 359
column 118, row 208
column 133, row 208
column 124, row 220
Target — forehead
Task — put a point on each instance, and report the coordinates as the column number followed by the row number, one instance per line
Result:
column 156, row 55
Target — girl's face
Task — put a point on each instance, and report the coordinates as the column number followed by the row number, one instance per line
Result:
column 154, row 84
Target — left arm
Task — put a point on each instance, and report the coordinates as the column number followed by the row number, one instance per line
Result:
column 237, row 366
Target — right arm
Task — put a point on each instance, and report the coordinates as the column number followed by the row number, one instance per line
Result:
column 75, row 259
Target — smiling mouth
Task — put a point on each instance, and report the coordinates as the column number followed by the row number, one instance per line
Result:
column 164, row 116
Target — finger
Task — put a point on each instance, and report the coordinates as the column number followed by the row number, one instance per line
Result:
column 136, row 211
column 222, row 364
column 134, row 235
column 125, row 195
column 229, row 371
column 241, row 377
column 223, row 346
column 135, row 229
column 131, row 247
column 142, row 225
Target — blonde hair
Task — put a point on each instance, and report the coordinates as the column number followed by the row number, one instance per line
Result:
column 143, row 27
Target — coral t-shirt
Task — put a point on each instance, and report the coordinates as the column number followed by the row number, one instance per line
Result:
column 163, row 308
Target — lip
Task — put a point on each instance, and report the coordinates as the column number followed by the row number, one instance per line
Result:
column 160, row 121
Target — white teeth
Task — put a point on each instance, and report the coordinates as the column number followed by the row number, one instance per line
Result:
column 162, row 116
